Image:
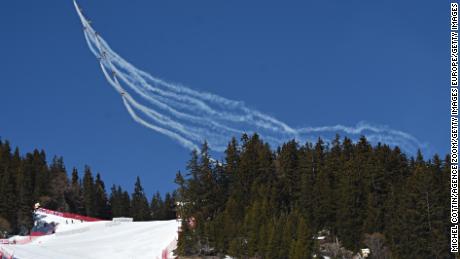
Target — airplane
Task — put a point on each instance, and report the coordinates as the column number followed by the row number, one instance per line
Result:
column 103, row 56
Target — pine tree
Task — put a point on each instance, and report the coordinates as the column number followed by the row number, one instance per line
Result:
column 438, row 206
column 169, row 206
column 354, row 194
column 59, row 184
column 288, row 161
column 252, row 227
column 139, row 205
column 25, row 195
column 88, row 193
column 74, row 195
column 301, row 247
column 422, row 214
column 378, row 190
column 156, row 207
column 41, row 177
column 115, row 201
column 330, row 174
column 102, row 209
column 9, row 198
column 270, row 205
column 274, row 239
column 126, row 204
column 307, row 181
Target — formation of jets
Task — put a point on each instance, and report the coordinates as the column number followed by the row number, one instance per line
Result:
column 103, row 55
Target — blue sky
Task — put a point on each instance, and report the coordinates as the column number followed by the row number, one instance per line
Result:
column 307, row 63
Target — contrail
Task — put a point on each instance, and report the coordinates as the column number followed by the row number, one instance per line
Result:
column 191, row 117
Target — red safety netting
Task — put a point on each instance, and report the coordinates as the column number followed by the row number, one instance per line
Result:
column 23, row 241
column 165, row 254
column 68, row 215
column 5, row 254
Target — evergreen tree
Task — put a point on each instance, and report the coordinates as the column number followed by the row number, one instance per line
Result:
column 41, row 177
column 169, row 206
column 88, row 193
column 302, row 245
column 58, row 184
column 126, row 204
column 25, row 196
column 139, row 205
column 74, row 195
column 289, row 177
column 9, row 198
column 273, row 205
column 259, row 203
column 119, row 202
column 156, row 207
column 102, row 209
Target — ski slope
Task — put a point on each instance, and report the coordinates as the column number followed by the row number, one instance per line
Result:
column 102, row 239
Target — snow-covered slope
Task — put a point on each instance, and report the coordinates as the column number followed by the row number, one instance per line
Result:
column 102, row 239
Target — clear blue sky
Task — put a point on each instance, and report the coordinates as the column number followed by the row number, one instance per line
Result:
column 308, row 63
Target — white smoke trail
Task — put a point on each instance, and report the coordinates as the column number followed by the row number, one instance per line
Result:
column 191, row 117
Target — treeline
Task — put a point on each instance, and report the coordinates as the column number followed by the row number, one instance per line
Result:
column 25, row 180
column 264, row 204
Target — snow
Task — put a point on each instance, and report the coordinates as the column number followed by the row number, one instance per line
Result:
column 102, row 239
